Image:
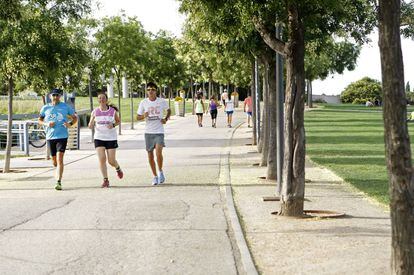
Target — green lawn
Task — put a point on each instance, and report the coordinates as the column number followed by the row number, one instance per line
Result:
column 348, row 139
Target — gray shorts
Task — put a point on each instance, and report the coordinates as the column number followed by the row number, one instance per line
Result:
column 152, row 139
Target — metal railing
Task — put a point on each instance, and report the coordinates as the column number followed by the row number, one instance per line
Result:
column 20, row 135
column 28, row 132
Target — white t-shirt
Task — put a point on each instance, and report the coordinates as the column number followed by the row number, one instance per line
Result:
column 102, row 119
column 155, row 111
column 224, row 96
column 229, row 105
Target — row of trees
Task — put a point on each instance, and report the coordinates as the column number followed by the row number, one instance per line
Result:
column 116, row 46
column 44, row 41
column 44, row 44
column 319, row 37
column 37, row 48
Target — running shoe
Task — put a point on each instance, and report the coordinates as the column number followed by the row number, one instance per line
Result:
column 161, row 177
column 120, row 173
column 155, row 181
column 58, row 186
column 105, row 183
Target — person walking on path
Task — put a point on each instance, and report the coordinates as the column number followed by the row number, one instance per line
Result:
column 224, row 96
column 199, row 109
column 248, row 108
column 54, row 116
column 212, row 107
column 104, row 119
column 152, row 109
column 229, row 109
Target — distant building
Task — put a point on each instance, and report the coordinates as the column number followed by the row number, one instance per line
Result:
column 332, row 99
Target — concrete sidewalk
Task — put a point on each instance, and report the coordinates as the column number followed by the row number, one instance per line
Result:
column 359, row 243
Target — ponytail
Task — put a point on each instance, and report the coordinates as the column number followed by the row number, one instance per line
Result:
column 113, row 106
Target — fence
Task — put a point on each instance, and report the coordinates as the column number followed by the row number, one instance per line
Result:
column 20, row 135
column 28, row 132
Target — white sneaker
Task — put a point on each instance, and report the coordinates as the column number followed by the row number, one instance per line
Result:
column 161, row 177
column 155, row 181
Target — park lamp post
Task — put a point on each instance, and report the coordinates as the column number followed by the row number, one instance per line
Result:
column 164, row 86
column 89, row 72
column 115, row 70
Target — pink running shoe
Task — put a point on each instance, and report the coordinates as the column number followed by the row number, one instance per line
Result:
column 120, row 174
column 105, row 183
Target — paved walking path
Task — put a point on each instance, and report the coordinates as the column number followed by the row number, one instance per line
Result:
column 133, row 227
column 184, row 226
column 360, row 243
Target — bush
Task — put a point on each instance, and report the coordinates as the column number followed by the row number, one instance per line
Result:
column 410, row 97
column 319, row 100
column 361, row 91
column 359, row 101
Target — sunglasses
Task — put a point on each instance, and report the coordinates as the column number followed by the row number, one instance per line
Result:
column 55, row 95
column 151, row 89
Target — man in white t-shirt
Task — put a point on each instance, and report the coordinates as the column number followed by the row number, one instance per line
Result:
column 224, row 96
column 152, row 110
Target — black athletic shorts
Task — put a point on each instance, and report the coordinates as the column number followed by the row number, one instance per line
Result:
column 213, row 114
column 199, row 114
column 57, row 145
column 108, row 144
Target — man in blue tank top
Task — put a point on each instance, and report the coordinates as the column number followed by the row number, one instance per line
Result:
column 57, row 117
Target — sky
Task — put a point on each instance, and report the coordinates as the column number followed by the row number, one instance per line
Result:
column 163, row 14
column 153, row 14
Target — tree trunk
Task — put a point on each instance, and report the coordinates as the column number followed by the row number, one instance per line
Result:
column 397, row 140
column 272, row 156
column 266, row 117
column 6, row 168
column 310, row 104
column 253, row 94
column 257, row 99
column 260, row 143
column 192, row 94
column 293, row 184
column 210, row 87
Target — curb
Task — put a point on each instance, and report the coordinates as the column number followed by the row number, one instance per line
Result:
column 225, row 179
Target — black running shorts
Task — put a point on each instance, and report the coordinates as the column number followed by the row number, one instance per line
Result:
column 108, row 144
column 57, row 145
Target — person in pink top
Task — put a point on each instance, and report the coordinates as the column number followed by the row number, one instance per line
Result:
column 104, row 119
column 248, row 108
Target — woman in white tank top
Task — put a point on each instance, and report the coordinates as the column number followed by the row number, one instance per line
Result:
column 105, row 118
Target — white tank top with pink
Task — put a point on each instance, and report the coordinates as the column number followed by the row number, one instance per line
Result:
column 102, row 120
